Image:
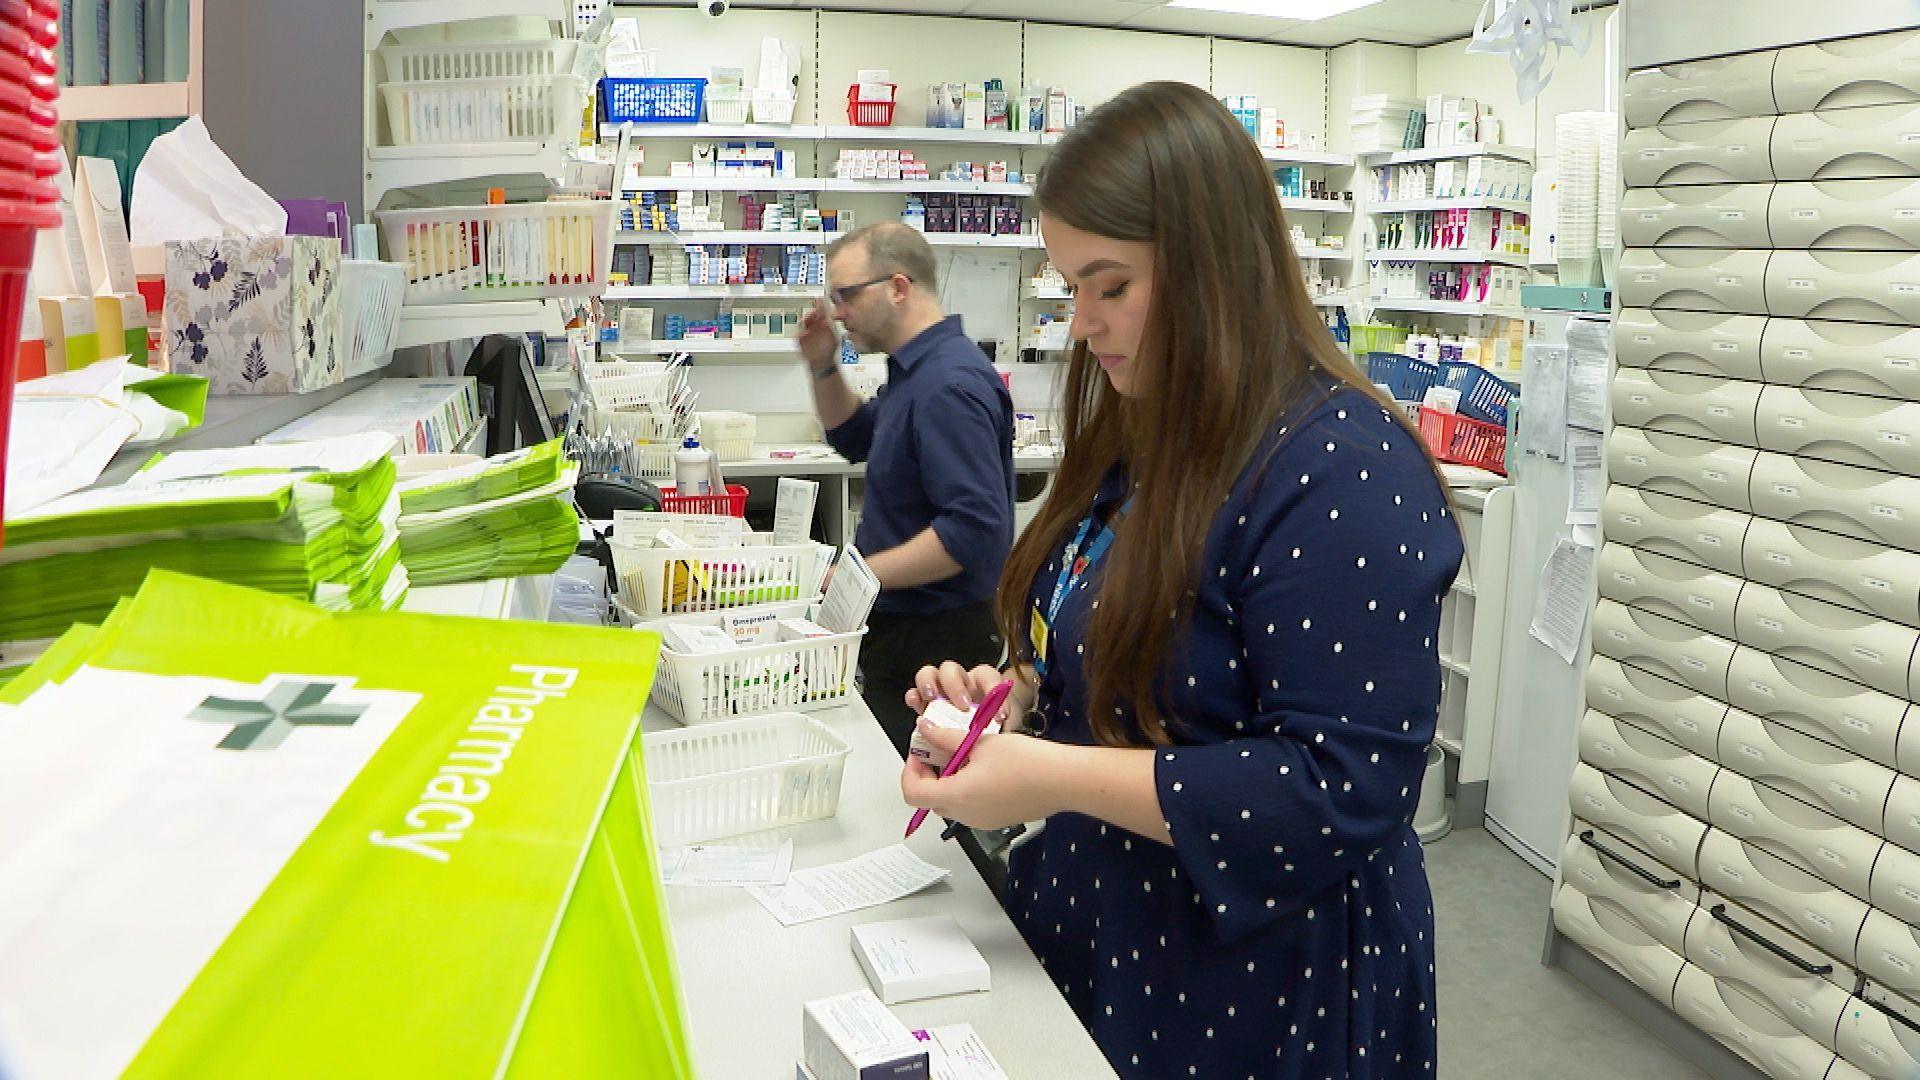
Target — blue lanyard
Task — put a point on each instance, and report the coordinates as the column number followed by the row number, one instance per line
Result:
column 1076, row 562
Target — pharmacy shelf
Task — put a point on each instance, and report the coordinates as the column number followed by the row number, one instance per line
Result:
column 1305, row 157
column 396, row 168
column 949, row 187
column 1321, row 252
column 643, row 132
column 1458, row 202
column 1455, row 666
column 970, row 136
column 709, row 346
column 384, row 16
column 1451, row 255
column 1333, row 300
column 1448, row 153
column 727, row 183
column 1031, row 241
column 136, row 101
column 1035, row 292
column 1446, row 307
column 713, row 292
column 428, row 324
column 735, row 236
column 1316, row 206
column 1463, row 586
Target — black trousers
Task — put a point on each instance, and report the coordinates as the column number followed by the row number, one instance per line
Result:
column 898, row 645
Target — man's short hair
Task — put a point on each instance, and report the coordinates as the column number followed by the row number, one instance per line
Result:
column 893, row 248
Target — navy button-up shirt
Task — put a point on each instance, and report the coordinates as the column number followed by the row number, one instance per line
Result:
column 938, row 443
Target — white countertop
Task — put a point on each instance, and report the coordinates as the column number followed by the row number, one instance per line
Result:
column 745, row 977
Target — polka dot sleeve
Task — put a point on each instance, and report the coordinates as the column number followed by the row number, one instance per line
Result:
column 1335, row 564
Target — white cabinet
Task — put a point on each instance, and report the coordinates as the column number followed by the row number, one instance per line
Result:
column 1815, row 771
column 1701, row 152
column 1701, row 406
column 1666, row 647
column 1648, row 761
column 1855, row 286
column 1719, row 89
column 1848, row 144
column 1676, row 712
column 1785, row 894
column 1839, row 569
column 1846, row 215
column 1679, row 590
column 1690, row 342
column 1742, row 1020
column 1810, row 701
column 1625, row 812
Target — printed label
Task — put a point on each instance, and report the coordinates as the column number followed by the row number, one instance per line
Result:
column 1868, row 655
column 1649, row 215
column 1645, row 279
column 1876, row 584
column 1700, row 601
column 1786, row 491
column 1806, row 215
column 1885, row 511
column 1733, row 215
column 1726, row 346
column 1783, row 560
column 1736, row 148
column 1643, row 339
column 1894, row 438
column 1708, row 539
column 1796, row 354
column 1774, row 625
column 1650, row 155
column 1910, row 137
column 1695, row 663
column 1904, row 363
column 1728, row 279
column 1905, row 288
column 1714, row 476
column 1719, row 411
column 1792, row 422
column 1907, row 213
column 1800, row 283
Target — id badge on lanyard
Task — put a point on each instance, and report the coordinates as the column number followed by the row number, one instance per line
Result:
column 1074, row 565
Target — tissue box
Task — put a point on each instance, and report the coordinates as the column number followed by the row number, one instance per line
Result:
column 255, row 314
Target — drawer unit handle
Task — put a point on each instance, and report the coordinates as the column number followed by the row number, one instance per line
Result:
column 1587, row 839
column 1719, row 912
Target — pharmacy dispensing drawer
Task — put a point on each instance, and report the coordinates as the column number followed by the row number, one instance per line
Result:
column 1703, row 406
column 1889, row 953
column 1701, row 90
column 1848, row 144
column 1815, row 703
column 1661, row 705
column 1855, row 286
column 1600, row 866
column 1843, row 1070
column 1901, row 819
column 1743, row 1022
column 1857, row 358
column 1846, row 215
column 1906, row 752
column 1675, row 527
column 1867, row 504
column 1629, row 814
column 1869, row 1037
column 1804, row 985
column 1696, row 469
column 1871, row 70
column 1646, row 760
column 1705, row 152
column 1873, row 433
column 1694, row 279
column 1839, row 569
column 1690, row 342
column 1700, row 216
column 1672, row 650
column 1838, row 853
column 1896, row 883
column 1666, row 586
column 1612, row 935
column 1815, row 771
column 1837, row 640
column 1785, row 894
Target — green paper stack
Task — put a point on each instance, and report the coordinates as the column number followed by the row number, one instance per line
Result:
column 506, row 516
column 295, row 843
column 317, row 521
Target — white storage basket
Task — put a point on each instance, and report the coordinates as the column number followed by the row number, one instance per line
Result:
column 770, row 108
column 370, row 297
column 477, row 60
column 517, row 251
column 688, row 581
column 729, row 435
column 701, row 688
column 741, row 776
column 525, row 109
column 726, row 108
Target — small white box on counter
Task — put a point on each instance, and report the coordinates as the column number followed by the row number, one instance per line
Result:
column 854, row 1037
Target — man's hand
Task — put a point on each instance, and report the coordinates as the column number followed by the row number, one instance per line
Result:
column 818, row 340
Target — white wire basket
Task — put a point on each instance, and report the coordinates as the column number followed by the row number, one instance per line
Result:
column 477, row 60
column 519, row 109
column 742, row 776
column 370, row 297
column 728, row 434
column 700, row 688
column 516, row 251
column 689, row 581
column 727, row 108
column 772, row 108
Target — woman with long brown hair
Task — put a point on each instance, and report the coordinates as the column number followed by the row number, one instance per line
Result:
column 1225, row 619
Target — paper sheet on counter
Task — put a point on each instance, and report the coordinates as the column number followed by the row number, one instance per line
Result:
column 1566, row 587
column 878, row 877
column 720, row 865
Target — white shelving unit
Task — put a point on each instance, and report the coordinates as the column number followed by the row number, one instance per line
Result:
column 1029, row 241
column 1448, row 153
column 758, row 346
column 968, row 136
column 1472, row 625
column 144, row 101
column 385, row 16
column 1316, row 206
column 1445, row 307
column 1447, row 255
column 712, row 292
column 1334, row 300
column 1306, row 157
column 728, row 183
column 944, row 187
column 1322, row 253
column 1459, row 202
column 426, row 324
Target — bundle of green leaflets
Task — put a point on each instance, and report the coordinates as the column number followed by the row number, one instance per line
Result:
column 317, row 521
column 503, row 517
column 428, row 851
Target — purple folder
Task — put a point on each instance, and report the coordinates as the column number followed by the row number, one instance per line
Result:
column 320, row 217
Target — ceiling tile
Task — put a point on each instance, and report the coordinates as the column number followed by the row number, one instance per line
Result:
column 1084, row 12
column 1192, row 21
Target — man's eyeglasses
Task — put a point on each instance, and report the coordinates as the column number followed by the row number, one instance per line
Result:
column 841, row 295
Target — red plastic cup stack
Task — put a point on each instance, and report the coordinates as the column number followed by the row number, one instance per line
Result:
column 29, row 149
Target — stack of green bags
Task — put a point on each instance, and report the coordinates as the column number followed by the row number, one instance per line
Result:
column 316, row 521
column 506, row 516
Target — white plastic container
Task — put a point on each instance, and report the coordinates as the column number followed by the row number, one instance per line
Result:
column 687, row 581
column 817, row 673
column 553, row 249
column 729, row 434
column 526, row 109
column 477, row 60
column 1431, row 817
column 370, row 297
column 742, row 776
column 693, row 468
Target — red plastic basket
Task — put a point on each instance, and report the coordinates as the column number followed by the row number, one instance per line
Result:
column 870, row 113
column 1462, row 440
column 732, row 504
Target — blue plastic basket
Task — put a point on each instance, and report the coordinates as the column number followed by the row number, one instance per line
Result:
column 1483, row 395
column 1406, row 378
column 652, row 101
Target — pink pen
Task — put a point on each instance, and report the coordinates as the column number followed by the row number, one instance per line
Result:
column 983, row 715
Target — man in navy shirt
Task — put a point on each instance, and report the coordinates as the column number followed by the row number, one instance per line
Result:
column 937, row 521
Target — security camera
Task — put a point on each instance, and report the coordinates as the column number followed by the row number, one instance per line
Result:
column 714, row 8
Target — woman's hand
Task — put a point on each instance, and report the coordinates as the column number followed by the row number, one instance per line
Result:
column 1006, row 779
column 966, row 688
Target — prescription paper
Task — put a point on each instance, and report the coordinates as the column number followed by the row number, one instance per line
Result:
column 818, row 892
column 955, row 1052
column 726, row 865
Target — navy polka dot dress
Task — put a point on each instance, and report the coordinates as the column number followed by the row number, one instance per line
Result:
column 1289, row 930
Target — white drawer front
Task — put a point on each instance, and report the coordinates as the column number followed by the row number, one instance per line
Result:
column 1786, row 895
column 1677, row 528
column 1865, row 721
column 1747, row 1025
column 1675, row 465
column 1703, row 152
column 1615, row 938
column 1702, row 406
column 1700, row 90
column 1641, row 697
column 1854, row 358
column 1627, row 813
column 1679, row 590
column 1726, row 941
column 1646, row 760
column 1690, row 342
column 1837, row 852
column 1812, row 770
column 1833, row 639
column 1856, row 286
column 1871, row 70
column 1872, row 433
column 1694, row 279
column 1848, row 144
column 1879, row 506
column 1846, row 215
column 1706, row 216
column 1672, row 650
column 1839, row 569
